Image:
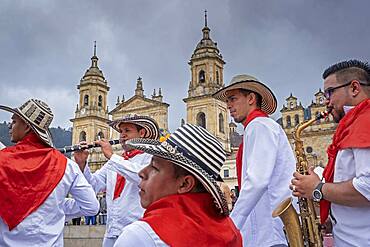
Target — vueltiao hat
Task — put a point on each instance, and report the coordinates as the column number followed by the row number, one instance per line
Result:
column 247, row 82
column 194, row 149
column 37, row 115
column 148, row 123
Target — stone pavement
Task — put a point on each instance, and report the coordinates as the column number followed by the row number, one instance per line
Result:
column 83, row 235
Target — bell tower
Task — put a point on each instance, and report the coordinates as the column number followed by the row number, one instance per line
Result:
column 206, row 67
column 91, row 115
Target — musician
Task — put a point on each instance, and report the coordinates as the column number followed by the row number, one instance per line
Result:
column 345, row 190
column 184, row 204
column 264, row 161
column 122, row 192
column 34, row 181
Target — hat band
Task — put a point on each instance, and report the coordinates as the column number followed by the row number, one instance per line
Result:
column 183, row 151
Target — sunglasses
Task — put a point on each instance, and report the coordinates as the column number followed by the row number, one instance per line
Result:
column 329, row 91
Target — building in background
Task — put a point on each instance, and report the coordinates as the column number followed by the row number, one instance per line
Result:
column 206, row 67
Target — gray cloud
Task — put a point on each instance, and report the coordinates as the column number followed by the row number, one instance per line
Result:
column 46, row 46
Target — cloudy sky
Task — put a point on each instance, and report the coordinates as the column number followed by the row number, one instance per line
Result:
column 46, row 46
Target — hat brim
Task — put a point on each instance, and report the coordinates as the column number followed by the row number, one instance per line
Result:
column 154, row 147
column 269, row 102
column 44, row 135
column 151, row 127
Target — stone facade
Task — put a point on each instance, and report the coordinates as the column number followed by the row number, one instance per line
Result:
column 317, row 137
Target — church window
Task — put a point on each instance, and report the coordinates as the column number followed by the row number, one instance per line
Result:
column 82, row 136
column 221, row 127
column 86, row 100
column 318, row 120
column 217, row 77
column 202, row 76
column 288, row 122
column 226, row 173
column 201, row 119
column 100, row 135
column 100, row 101
column 296, row 119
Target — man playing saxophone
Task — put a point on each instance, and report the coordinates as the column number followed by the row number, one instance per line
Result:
column 345, row 190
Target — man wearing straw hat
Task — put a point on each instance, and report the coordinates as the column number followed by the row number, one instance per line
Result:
column 34, row 181
column 264, row 161
column 183, row 201
column 123, row 206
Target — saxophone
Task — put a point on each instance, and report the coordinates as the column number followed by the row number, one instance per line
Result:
column 302, row 229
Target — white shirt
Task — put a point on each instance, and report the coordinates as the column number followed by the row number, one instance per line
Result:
column 125, row 209
column 140, row 234
column 44, row 227
column 352, row 227
column 268, row 166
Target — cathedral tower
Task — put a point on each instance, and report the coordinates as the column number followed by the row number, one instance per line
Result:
column 206, row 66
column 91, row 115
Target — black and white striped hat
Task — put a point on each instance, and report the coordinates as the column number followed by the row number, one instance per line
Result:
column 148, row 123
column 194, row 149
column 247, row 82
column 37, row 115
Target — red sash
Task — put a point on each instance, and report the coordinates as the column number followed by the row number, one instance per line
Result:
column 239, row 156
column 191, row 220
column 29, row 172
column 353, row 131
column 120, row 183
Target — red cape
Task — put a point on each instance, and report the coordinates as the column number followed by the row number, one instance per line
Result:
column 191, row 220
column 29, row 172
column 353, row 131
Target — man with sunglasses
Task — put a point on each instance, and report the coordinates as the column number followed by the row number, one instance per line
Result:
column 345, row 191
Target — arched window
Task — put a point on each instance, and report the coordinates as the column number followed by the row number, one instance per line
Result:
column 221, row 123
column 82, row 136
column 202, row 76
column 86, row 100
column 100, row 101
column 296, row 119
column 288, row 122
column 201, row 119
column 217, row 77
column 100, row 135
column 226, row 173
column 317, row 121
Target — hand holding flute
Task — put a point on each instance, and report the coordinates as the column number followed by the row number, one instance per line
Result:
column 81, row 153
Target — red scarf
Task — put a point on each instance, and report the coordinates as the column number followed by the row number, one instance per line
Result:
column 191, row 220
column 120, row 183
column 29, row 172
column 239, row 156
column 353, row 131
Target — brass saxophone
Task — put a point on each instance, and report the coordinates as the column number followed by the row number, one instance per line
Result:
column 301, row 229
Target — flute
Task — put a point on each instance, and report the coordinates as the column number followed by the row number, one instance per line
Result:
column 68, row 149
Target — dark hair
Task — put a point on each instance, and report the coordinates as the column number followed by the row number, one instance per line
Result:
column 349, row 70
column 245, row 92
column 179, row 171
column 138, row 127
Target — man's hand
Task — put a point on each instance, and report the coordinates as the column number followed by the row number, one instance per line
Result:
column 81, row 156
column 106, row 148
column 304, row 185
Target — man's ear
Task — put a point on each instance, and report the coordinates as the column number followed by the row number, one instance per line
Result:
column 142, row 132
column 355, row 88
column 186, row 184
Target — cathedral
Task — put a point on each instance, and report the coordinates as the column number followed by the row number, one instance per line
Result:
column 206, row 67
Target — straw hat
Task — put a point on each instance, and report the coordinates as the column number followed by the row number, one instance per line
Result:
column 37, row 115
column 247, row 82
column 148, row 123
